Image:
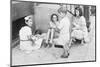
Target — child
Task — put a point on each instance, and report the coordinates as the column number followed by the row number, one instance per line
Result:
column 25, row 35
column 50, row 33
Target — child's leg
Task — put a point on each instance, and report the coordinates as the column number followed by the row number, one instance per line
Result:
column 47, row 36
column 52, row 34
column 66, row 51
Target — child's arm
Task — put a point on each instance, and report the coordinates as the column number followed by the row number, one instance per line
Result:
column 57, row 28
column 76, row 26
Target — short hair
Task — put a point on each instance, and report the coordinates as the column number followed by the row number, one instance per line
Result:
column 80, row 11
column 62, row 10
column 54, row 15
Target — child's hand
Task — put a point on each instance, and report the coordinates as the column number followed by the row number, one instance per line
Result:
column 33, row 38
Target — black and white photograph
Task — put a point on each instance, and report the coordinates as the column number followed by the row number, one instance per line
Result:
column 52, row 33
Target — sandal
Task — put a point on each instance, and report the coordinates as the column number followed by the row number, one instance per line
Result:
column 65, row 56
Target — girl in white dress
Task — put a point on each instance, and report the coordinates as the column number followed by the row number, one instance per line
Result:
column 79, row 30
column 25, row 34
column 29, row 42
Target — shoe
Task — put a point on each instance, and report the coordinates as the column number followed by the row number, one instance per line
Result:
column 65, row 56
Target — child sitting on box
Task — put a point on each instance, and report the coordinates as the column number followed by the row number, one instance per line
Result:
column 50, row 33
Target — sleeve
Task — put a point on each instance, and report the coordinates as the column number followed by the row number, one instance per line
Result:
column 60, row 26
column 28, row 31
column 21, row 33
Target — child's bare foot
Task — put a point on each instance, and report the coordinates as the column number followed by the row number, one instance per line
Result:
column 45, row 44
column 65, row 55
column 50, row 45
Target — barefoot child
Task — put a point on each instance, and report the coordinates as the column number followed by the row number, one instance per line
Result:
column 64, row 32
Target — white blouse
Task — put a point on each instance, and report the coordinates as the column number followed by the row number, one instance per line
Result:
column 25, row 32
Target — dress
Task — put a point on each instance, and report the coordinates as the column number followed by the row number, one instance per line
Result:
column 80, row 29
column 64, row 35
column 25, row 43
